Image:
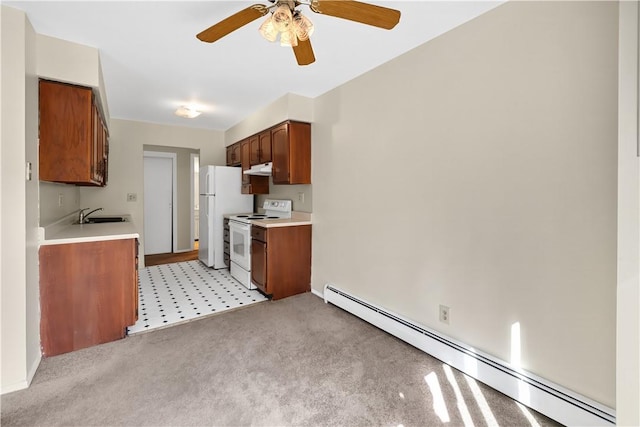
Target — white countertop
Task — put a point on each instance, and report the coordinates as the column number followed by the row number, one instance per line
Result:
column 65, row 231
column 297, row 218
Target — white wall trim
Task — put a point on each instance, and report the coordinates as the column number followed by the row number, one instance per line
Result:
column 628, row 249
column 317, row 293
column 34, row 367
column 544, row 396
column 192, row 210
column 21, row 385
column 174, row 192
column 10, row 388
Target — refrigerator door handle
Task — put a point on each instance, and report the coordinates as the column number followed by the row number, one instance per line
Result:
column 207, row 183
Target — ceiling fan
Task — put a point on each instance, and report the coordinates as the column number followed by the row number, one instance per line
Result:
column 294, row 28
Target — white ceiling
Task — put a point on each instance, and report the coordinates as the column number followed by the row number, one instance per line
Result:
column 152, row 62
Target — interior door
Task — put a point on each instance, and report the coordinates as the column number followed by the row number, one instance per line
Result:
column 158, row 205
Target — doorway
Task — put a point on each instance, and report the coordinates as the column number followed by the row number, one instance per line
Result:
column 159, row 206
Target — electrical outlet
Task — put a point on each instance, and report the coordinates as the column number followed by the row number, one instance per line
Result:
column 132, row 197
column 301, row 197
column 444, row 314
column 60, row 200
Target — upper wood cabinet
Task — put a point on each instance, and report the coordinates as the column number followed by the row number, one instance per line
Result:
column 291, row 153
column 74, row 140
column 251, row 184
column 233, row 155
column 260, row 148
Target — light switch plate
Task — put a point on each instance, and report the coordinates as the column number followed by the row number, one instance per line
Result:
column 132, row 197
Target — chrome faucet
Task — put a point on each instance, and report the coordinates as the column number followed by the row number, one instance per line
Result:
column 82, row 217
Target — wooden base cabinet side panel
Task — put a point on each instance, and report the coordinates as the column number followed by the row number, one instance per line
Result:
column 288, row 261
column 85, row 291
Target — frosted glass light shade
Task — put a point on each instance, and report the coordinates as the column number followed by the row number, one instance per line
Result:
column 302, row 25
column 188, row 112
column 282, row 18
column 288, row 38
column 268, row 30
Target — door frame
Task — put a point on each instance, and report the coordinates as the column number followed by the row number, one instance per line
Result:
column 174, row 192
column 192, row 157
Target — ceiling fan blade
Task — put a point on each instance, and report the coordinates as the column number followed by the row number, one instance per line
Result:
column 232, row 23
column 364, row 13
column 304, row 52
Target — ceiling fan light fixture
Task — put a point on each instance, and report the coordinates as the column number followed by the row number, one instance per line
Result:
column 282, row 17
column 302, row 26
column 288, row 38
column 268, row 30
column 187, row 112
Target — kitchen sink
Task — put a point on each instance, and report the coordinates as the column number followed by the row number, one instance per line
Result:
column 102, row 219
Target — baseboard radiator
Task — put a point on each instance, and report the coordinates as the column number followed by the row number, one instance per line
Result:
column 550, row 399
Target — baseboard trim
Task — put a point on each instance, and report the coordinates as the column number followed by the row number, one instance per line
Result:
column 546, row 397
column 34, row 367
column 21, row 385
column 317, row 293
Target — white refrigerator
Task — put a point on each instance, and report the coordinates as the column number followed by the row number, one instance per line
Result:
column 220, row 193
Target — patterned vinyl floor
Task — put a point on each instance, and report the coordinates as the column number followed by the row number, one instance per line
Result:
column 175, row 293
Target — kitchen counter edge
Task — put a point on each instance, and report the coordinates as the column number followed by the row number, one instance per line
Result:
column 297, row 218
column 64, row 232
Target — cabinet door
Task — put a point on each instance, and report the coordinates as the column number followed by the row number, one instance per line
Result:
column 280, row 153
column 229, row 156
column 254, row 142
column 88, row 293
column 236, row 154
column 66, row 150
column 259, row 265
column 265, row 146
column 251, row 184
column 95, row 145
column 105, row 156
column 245, row 160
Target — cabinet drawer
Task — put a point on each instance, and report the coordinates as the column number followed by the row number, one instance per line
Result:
column 259, row 233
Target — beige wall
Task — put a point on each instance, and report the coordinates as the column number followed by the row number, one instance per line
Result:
column 70, row 62
column 288, row 107
column 481, row 174
column 50, row 208
column 20, row 341
column 183, row 184
column 126, row 145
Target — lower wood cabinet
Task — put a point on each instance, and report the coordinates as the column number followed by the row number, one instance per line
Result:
column 281, row 260
column 88, row 293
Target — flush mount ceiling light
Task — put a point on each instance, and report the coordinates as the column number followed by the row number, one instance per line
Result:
column 187, row 112
column 294, row 28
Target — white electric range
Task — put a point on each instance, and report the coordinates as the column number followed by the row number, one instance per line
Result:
column 240, row 237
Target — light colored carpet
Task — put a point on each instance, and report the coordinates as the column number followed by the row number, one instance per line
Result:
column 293, row 362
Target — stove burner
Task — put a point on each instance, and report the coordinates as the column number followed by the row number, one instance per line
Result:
column 255, row 217
column 242, row 216
column 273, row 217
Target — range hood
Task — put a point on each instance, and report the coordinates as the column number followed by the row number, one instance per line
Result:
column 263, row 169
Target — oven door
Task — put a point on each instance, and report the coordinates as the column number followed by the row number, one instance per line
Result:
column 240, row 241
